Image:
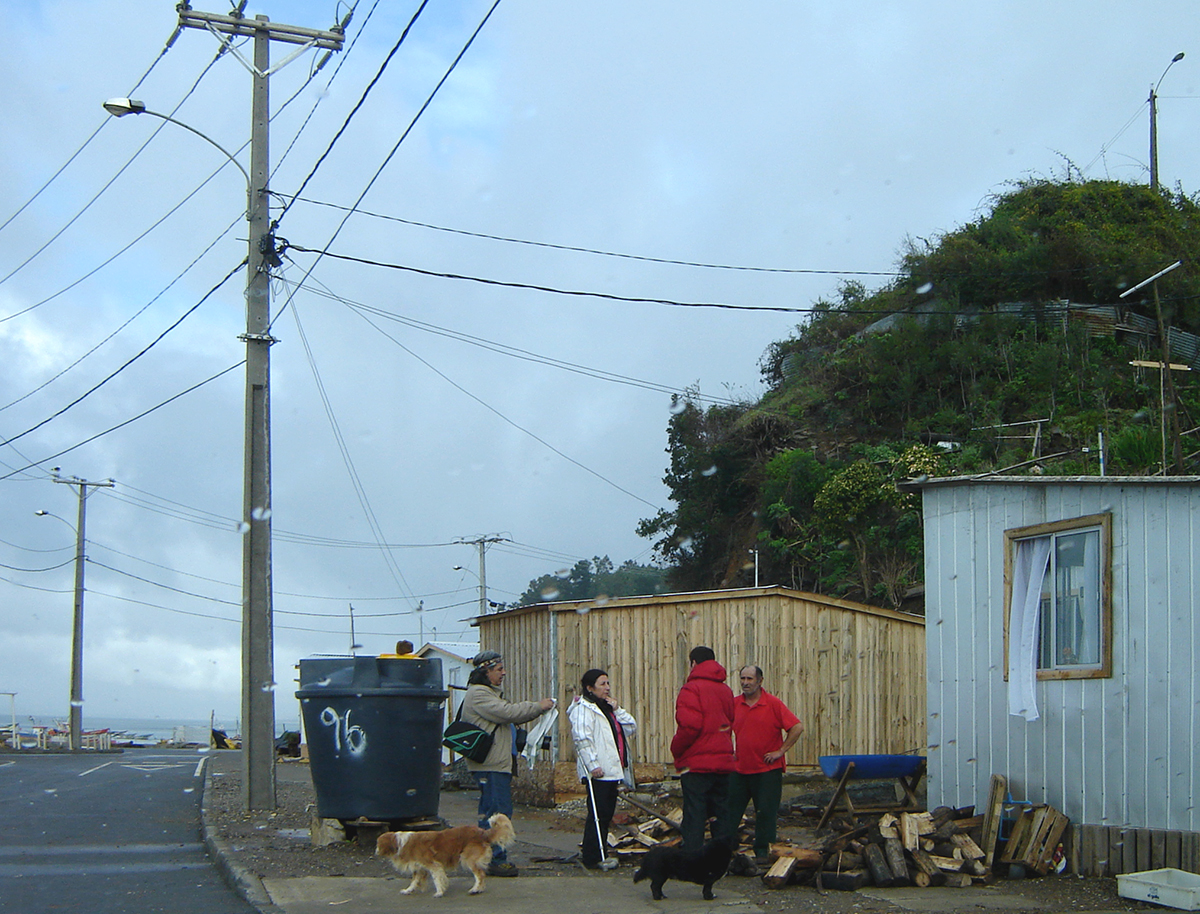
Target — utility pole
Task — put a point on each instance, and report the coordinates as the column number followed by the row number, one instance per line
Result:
column 1154, row 122
column 76, row 712
column 258, row 678
column 482, row 543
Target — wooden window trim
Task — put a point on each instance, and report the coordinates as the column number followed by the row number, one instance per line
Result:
column 1104, row 522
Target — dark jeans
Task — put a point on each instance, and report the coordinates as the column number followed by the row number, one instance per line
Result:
column 765, row 790
column 705, row 796
column 495, row 795
column 605, row 793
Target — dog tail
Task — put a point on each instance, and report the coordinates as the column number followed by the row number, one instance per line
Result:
column 501, row 831
column 387, row 844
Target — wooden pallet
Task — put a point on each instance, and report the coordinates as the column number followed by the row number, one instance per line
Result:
column 1034, row 838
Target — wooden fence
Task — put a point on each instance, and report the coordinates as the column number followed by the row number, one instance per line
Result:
column 854, row 674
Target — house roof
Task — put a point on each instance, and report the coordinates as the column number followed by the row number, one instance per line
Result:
column 930, row 482
column 455, row 650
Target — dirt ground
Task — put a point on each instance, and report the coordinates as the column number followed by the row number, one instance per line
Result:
column 278, row 844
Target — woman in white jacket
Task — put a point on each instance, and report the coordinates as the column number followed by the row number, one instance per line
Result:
column 601, row 730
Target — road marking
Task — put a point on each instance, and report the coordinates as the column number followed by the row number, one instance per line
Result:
column 199, row 767
column 65, row 850
column 163, row 766
column 6, row 764
column 97, row 768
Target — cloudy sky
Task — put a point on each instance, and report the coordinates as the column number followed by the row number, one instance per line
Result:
column 639, row 151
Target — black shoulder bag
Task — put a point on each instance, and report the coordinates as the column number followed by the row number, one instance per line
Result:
column 467, row 739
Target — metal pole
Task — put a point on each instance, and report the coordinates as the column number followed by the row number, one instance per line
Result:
column 482, row 577
column 76, row 712
column 1153, row 138
column 258, row 680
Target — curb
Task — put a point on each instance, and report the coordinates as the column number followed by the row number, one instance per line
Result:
column 240, row 879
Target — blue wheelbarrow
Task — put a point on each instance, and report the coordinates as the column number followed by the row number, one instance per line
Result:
column 906, row 769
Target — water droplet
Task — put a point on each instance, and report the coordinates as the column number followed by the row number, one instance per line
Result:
column 685, row 542
column 243, row 528
column 583, row 610
column 189, row 790
column 677, row 406
column 50, row 790
column 324, row 682
column 602, row 599
column 77, row 704
column 711, row 471
column 550, row 593
column 412, row 792
column 925, row 289
column 260, row 513
column 268, row 687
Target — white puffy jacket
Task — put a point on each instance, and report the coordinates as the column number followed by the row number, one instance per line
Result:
column 595, row 745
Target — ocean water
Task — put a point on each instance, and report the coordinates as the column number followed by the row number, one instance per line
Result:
column 150, row 728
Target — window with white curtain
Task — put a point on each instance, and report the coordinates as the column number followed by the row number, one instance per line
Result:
column 1058, row 608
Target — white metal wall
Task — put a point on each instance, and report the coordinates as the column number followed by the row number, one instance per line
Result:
column 1119, row 751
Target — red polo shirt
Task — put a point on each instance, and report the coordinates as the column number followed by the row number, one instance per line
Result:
column 759, row 729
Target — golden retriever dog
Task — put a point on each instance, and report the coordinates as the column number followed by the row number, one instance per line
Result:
column 434, row 853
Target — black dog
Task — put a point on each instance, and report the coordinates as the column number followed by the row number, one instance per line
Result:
column 703, row 867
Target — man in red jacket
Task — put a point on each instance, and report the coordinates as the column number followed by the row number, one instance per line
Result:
column 703, row 748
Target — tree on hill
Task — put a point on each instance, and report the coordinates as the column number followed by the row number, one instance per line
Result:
column 588, row 580
column 976, row 339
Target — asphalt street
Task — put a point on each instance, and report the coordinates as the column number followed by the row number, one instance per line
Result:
column 112, row 832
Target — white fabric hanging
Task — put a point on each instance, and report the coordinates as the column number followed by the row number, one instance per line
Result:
column 539, row 729
column 1029, row 570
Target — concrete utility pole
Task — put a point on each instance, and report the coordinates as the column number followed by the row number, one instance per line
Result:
column 258, row 678
column 1154, row 122
column 482, row 543
column 76, row 713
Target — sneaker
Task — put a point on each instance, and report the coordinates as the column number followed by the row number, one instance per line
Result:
column 503, row 869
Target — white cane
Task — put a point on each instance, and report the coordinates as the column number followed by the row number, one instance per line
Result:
column 605, row 863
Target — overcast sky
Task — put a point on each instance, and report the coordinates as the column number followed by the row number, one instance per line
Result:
column 809, row 139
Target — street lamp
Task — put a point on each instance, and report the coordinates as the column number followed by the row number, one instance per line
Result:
column 1154, row 122
column 258, row 679
column 482, row 585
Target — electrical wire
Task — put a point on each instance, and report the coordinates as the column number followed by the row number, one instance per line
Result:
column 357, row 107
column 128, row 421
column 91, row 390
column 95, row 133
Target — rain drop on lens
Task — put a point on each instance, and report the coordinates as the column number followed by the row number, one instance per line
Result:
column 550, row 593
column 583, row 610
column 711, row 471
column 678, row 406
column 268, row 687
column 77, row 704
column 925, row 289
column 261, row 513
column 243, row 528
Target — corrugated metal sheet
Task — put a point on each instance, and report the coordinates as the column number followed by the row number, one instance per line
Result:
column 853, row 674
column 1108, row 752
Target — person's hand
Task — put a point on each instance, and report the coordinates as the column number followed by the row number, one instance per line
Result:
column 773, row 756
column 597, row 772
column 546, row 704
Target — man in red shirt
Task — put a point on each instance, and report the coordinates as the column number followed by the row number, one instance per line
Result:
column 765, row 731
column 703, row 748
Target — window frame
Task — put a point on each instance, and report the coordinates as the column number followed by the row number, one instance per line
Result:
column 1104, row 523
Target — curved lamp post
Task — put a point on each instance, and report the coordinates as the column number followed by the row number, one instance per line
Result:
column 1154, row 122
column 258, row 679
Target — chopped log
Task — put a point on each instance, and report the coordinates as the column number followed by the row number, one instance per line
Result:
column 946, row 849
column 928, row 844
column 896, row 862
column 919, row 879
column 975, row 868
column 970, row 850
column 881, row 873
column 888, row 831
column 943, row 832
column 925, row 863
column 957, row 880
column 780, row 873
column 844, row 860
column 970, row 822
column 661, row 817
column 806, row 858
column 887, row 819
column 964, row 812
column 909, row 836
column 941, row 815
column 947, row 864
column 846, row 881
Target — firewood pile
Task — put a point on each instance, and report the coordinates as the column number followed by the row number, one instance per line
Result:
column 938, row 848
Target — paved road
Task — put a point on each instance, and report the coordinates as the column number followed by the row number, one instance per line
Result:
column 101, row 833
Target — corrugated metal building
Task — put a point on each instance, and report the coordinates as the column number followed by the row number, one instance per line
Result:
column 1113, row 660
column 853, row 673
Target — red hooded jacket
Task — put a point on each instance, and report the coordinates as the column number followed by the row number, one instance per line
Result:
column 703, row 741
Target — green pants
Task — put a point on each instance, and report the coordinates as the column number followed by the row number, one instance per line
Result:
column 765, row 790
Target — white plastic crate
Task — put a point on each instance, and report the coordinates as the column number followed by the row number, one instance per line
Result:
column 1170, row 887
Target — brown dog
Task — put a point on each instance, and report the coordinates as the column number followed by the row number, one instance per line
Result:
column 434, row 853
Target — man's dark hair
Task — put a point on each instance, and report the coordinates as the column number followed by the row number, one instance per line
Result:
column 701, row 653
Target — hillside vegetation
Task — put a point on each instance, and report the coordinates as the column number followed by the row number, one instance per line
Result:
column 933, row 374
